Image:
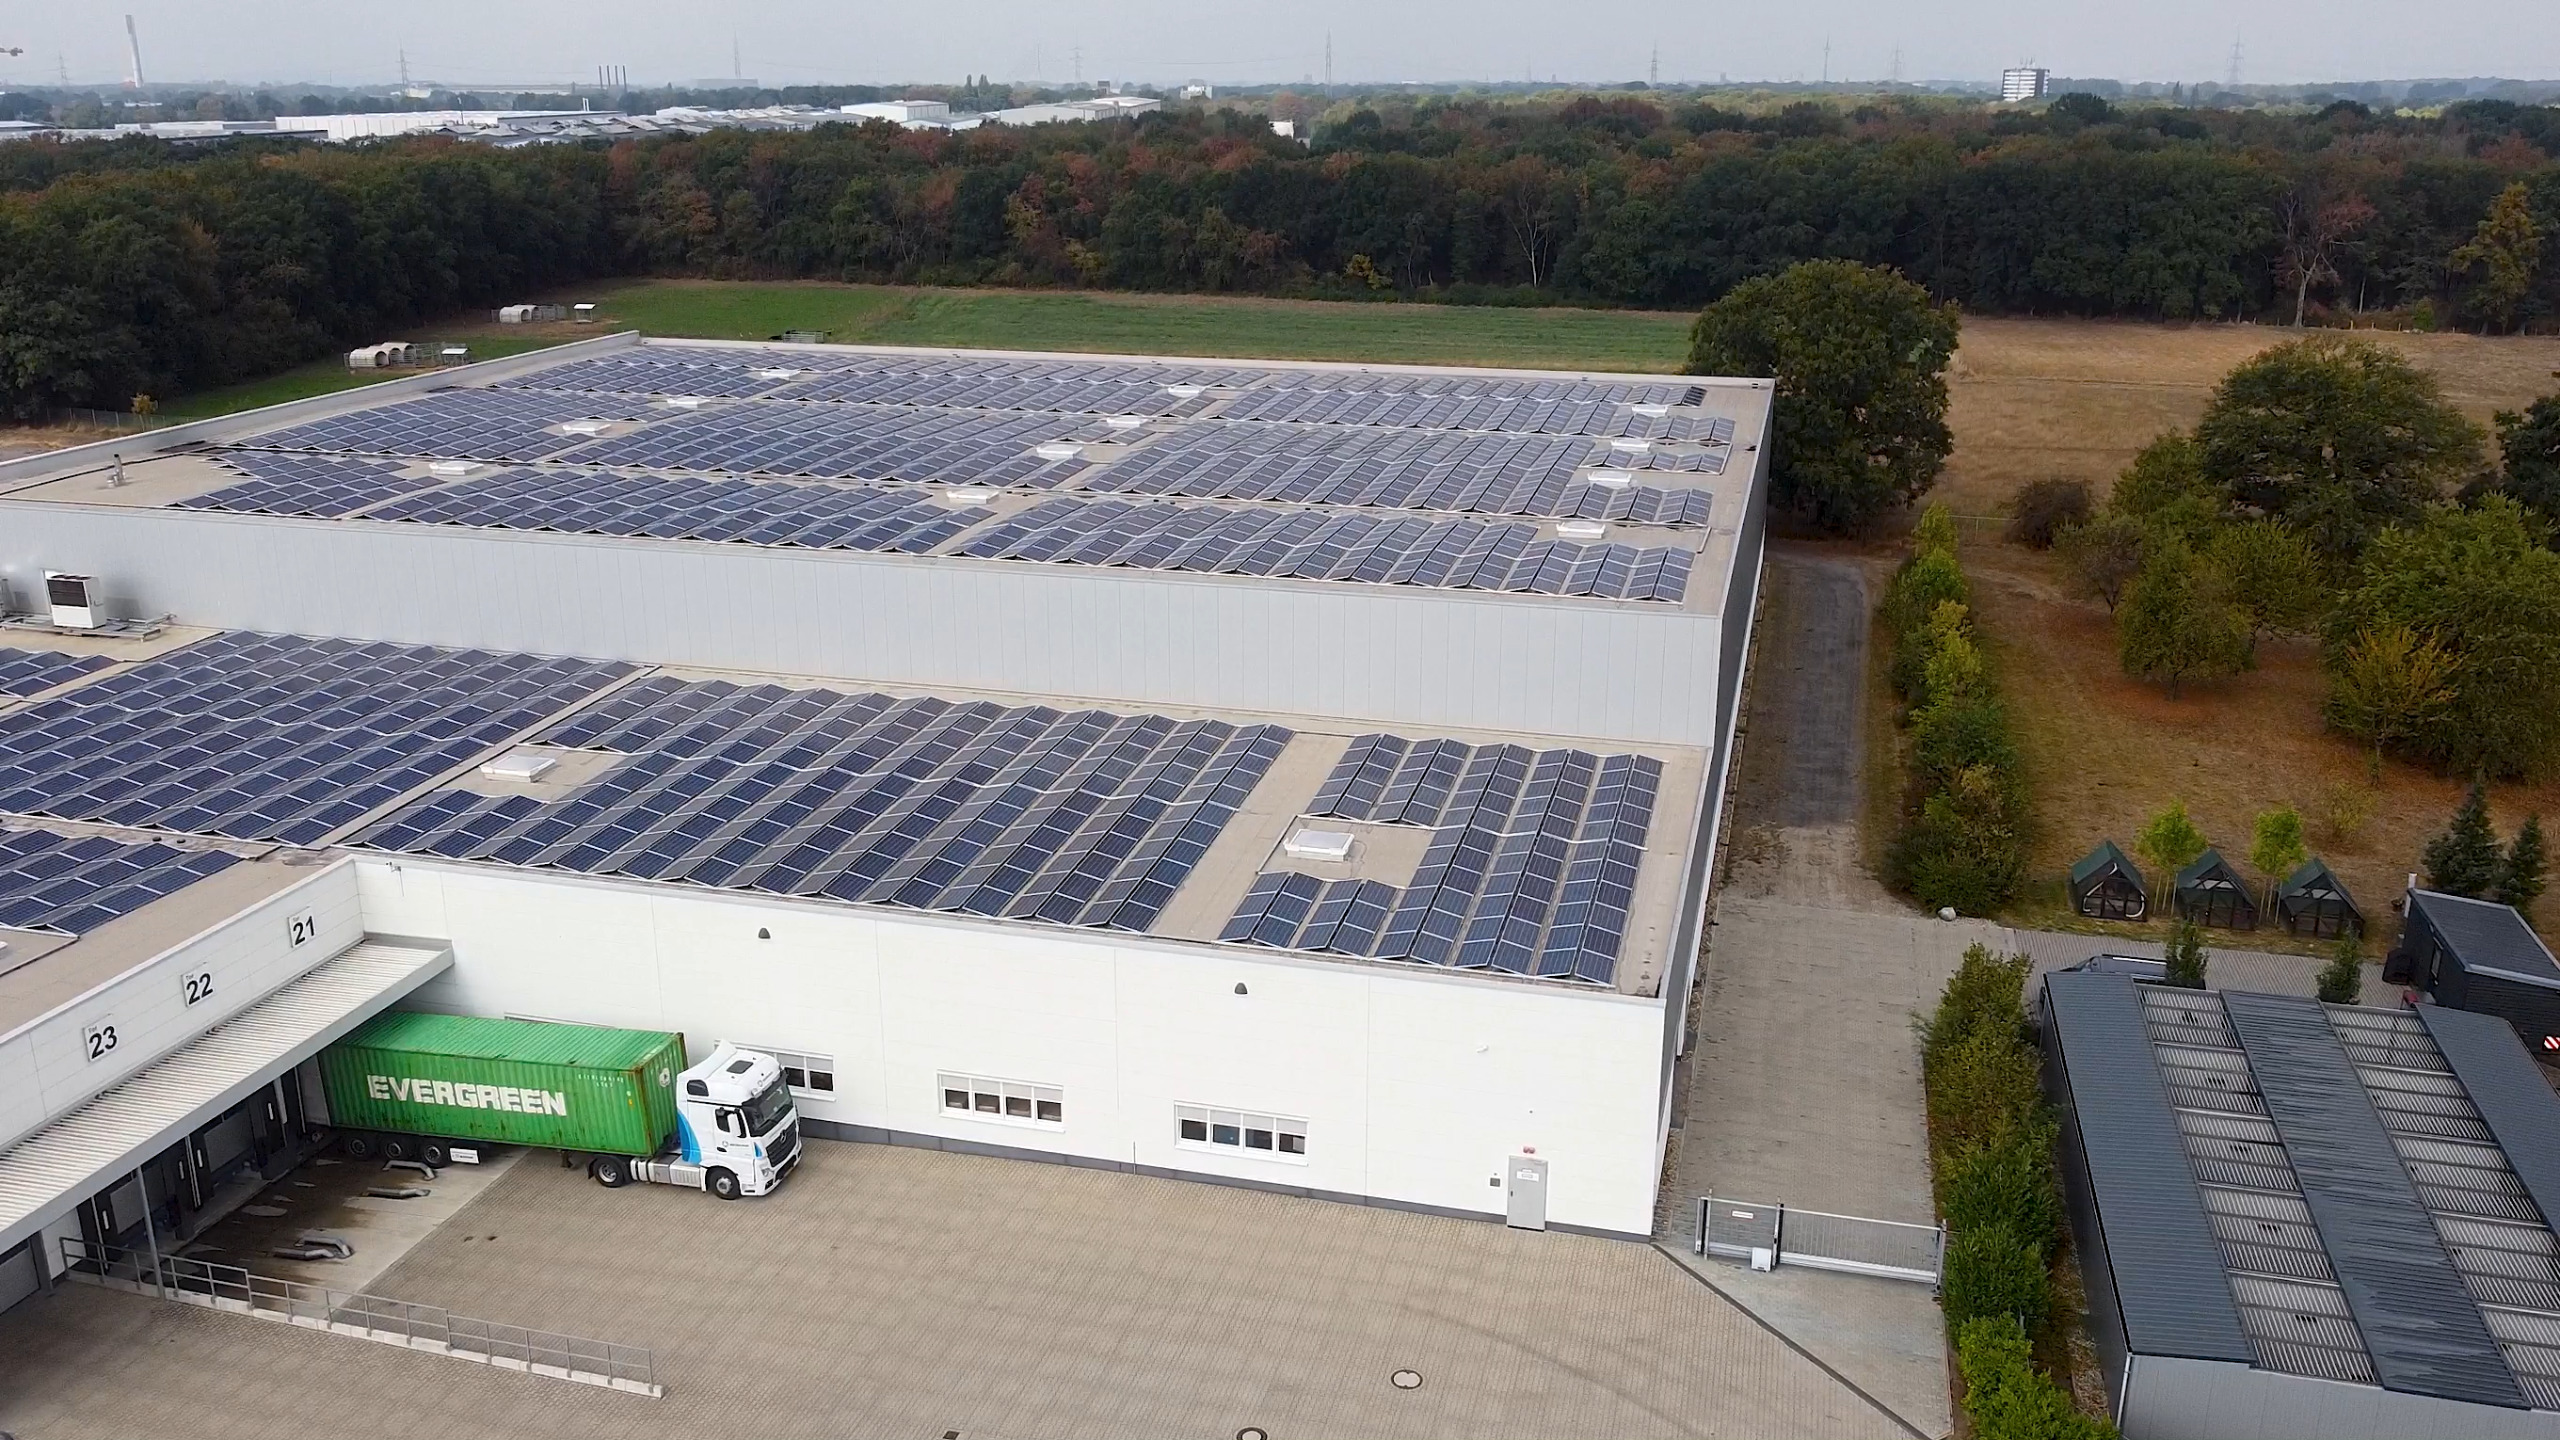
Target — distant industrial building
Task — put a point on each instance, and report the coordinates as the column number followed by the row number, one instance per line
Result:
column 2301, row 1221
column 2025, row 82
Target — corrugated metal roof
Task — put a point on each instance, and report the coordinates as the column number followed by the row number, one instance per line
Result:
column 540, row 1042
column 2417, row 1316
column 2508, row 1090
column 44, row 1175
column 2487, row 936
column 2167, row 1265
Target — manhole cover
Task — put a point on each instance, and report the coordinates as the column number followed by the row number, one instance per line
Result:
column 1253, row 1432
column 1407, row 1379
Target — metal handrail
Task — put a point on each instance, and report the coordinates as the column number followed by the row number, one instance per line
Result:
column 1914, row 1241
column 378, row 1317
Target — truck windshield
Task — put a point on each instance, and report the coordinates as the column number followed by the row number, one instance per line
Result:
column 768, row 1109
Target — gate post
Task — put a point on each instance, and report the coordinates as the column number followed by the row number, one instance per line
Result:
column 1703, row 1202
column 1778, row 1237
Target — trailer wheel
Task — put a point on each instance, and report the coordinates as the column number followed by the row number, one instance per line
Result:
column 611, row 1171
column 722, row 1184
column 359, row 1145
column 434, row 1153
column 399, row 1147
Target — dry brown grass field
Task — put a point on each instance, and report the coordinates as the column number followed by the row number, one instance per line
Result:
column 2076, row 399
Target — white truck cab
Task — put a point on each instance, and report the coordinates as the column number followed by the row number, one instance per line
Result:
column 736, row 1131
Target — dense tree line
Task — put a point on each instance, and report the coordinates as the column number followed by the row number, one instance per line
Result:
column 129, row 265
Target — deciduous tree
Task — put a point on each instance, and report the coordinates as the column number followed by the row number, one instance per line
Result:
column 2276, row 847
column 2388, row 684
column 2275, row 578
column 2336, row 437
column 2503, row 256
column 2170, row 841
column 1860, row 357
column 2104, row 553
column 2178, row 622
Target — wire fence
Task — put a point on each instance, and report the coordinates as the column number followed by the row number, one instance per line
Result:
column 1772, row 1235
column 117, row 420
column 632, row 1368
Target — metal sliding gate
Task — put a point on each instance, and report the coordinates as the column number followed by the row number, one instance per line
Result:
column 1772, row 1235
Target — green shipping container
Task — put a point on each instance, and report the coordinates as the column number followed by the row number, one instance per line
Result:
column 515, row 1082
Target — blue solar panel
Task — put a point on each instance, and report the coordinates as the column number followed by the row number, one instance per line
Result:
column 457, row 424
column 70, row 884
column 862, row 442
column 25, row 672
column 274, row 737
column 1531, row 867
column 1084, row 818
column 292, row 484
column 840, row 517
column 1319, row 545
column 1402, row 469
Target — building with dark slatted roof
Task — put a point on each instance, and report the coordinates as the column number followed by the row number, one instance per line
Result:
column 2299, row 1220
column 1164, row 756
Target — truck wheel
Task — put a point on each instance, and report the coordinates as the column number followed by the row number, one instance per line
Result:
column 611, row 1171
column 399, row 1147
column 434, row 1153
column 722, row 1184
column 359, row 1146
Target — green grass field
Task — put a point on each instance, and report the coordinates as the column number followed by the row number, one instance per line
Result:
column 1637, row 340
column 1155, row 324
column 327, row 377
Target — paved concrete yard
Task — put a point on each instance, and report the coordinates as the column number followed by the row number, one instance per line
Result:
column 898, row 1292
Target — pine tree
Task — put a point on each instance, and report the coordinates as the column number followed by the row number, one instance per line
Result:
column 2520, row 877
column 2464, row 860
column 2186, row 955
column 2342, row 979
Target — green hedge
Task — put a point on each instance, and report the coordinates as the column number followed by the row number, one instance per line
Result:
column 1991, row 1139
column 2007, row 1398
column 1964, row 842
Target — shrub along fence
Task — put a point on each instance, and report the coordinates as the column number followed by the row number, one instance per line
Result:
column 1991, row 1151
column 1964, row 836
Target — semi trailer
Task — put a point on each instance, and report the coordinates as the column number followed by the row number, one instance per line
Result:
column 410, row 1085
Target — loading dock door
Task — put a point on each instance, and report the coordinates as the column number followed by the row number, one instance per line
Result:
column 1525, row 1193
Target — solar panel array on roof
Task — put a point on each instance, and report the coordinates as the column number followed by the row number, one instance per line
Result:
column 834, row 517
column 1321, row 545
column 1405, row 470
column 998, row 392
column 296, row 484
column 455, row 424
column 853, row 442
column 69, row 885
column 1531, row 872
column 26, row 672
column 671, row 370
column 273, row 737
column 1580, row 410
column 1082, row 817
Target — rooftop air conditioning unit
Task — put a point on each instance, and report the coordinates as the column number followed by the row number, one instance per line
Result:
column 1581, row 529
column 1612, row 479
column 72, row 599
column 1124, row 422
column 1651, row 412
column 1058, row 450
column 521, row 765
column 965, row 495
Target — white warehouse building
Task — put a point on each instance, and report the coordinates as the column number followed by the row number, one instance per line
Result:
column 1290, row 775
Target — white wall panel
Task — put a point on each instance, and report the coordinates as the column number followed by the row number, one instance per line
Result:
column 45, row 1068
column 1397, row 655
column 1415, row 1085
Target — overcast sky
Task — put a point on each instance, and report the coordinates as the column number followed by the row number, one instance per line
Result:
column 505, row 42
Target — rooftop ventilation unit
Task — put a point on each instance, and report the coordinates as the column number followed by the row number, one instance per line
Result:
column 968, row 495
column 1651, row 412
column 1332, row 845
column 1581, row 529
column 585, row 427
column 777, row 372
column 684, row 402
column 1124, row 422
column 72, row 599
column 1630, row 445
column 451, row 467
column 521, row 765
column 1612, row 479
column 1184, row 392
column 1059, row 450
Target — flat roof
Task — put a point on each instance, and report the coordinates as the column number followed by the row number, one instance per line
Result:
column 1532, row 486
column 1487, row 851
column 2487, row 937
column 2321, row 1190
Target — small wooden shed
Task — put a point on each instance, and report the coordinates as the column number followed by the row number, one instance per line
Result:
column 2210, row 892
column 2312, row 901
column 2107, row 885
